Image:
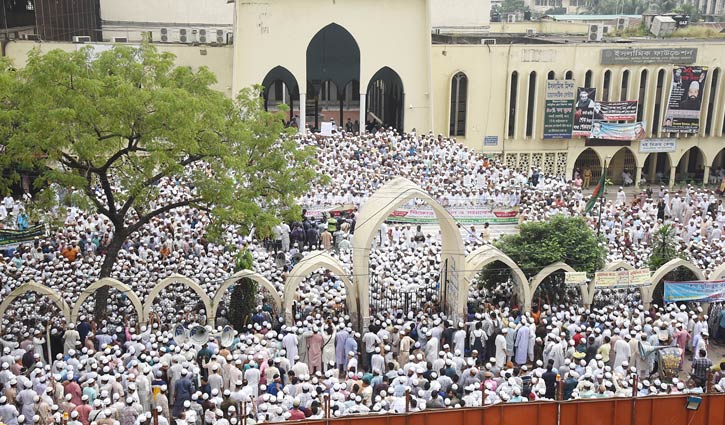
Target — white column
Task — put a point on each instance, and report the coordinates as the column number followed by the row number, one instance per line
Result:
column 637, row 177
column 673, row 174
column 706, row 177
column 303, row 112
column 363, row 113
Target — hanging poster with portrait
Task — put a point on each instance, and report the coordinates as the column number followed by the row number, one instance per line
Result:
column 584, row 112
column 685, row 100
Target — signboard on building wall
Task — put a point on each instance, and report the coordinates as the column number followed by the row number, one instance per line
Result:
column 618, row 131
column 584, row 111
column 490, row 141
column 617, row 111
column 685, row 100
column 559, row 110
column 657, row 145
column 634, row 56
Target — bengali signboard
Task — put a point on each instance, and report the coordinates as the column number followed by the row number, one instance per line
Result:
column 622, row 279
column 575, row 278
column 632, row 56
column 559, row 109
column 685, row 100
column 657, row 145
column 617, row 131
column 584, row 111
column 426, row 215
column 696, row 290
column 625, row 110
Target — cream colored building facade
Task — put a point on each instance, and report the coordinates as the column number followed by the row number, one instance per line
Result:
column 376, row 61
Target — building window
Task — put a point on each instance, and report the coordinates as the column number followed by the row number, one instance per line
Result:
column 658, row 101
column 588, row 79
column 569, row 75
column 550, row 75
column 459, row 98
column 642, row 94
column 711, row 102
column 512, row 103
column 625, row 86
column 606, row 85
column 531, row 104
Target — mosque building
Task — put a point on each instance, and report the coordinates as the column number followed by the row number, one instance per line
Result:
column 512, row 90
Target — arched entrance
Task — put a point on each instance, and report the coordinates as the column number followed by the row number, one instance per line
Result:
column 675, row 270
column 333, row 59
column 112, row 283
column 267, row 294
column 656, row 168
column 622, row 168
column 717, row 171
column 549, row 281
column 385, row 99
column 588, row 160
column 177, row 279
column 375, row 211
column 691, row 167
column 499, row 263
column 280, row 88
column 38, row 289
column 314, row 261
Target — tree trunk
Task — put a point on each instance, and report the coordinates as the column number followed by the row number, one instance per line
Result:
column 106, row 268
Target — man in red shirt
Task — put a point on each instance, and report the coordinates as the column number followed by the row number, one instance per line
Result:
column 295, row 413
column 84, row 410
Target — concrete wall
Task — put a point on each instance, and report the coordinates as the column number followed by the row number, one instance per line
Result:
column 217, row 59
column 541, row 27
column 389, row 33
column 209, row 12
column 460, row 13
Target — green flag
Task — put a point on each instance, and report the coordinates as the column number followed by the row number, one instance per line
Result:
column 597, row 192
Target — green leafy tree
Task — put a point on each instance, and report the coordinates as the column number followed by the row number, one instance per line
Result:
column 113, row 125
column 664, row 249
column 539, row 244
column 510, row 6
column 244, row 295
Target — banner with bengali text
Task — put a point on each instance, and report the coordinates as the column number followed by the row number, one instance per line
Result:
column 559, row 109
column 696, row 290
column 685, row 100
column 625, row 110
column 426, row 215
column 622, row 279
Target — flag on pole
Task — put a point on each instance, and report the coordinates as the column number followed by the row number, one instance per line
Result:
column 597, row 192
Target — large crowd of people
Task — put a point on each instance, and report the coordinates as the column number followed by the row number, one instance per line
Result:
column 411, row 356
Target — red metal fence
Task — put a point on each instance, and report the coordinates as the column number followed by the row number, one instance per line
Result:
column 658, row 410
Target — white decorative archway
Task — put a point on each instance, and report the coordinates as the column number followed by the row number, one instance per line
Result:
column 660, row 274
column 718, row 273
column 375, row 211
column 177, row 278
column 553, row 268
column 621, row 264
column 38, row 289
column 488, row 254
column 113, row 283
column 249, row 274
column 316, row 260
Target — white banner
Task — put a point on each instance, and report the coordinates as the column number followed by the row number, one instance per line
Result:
column 657, row 145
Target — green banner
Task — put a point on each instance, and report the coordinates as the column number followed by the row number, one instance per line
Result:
column 559, row 109
column 11, row 238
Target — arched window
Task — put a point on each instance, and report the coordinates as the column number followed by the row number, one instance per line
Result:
column 588, row 79
column 569, row 75
column 606, row 85
column 531, row 104
column 711, row 102
column 658, row 101
column 642, row 94
column 512, row 103
column 624, row 93
column 459, row 100
column 550, row 75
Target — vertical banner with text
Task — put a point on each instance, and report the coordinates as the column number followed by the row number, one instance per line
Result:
column 559, row 111
column 685, row 100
